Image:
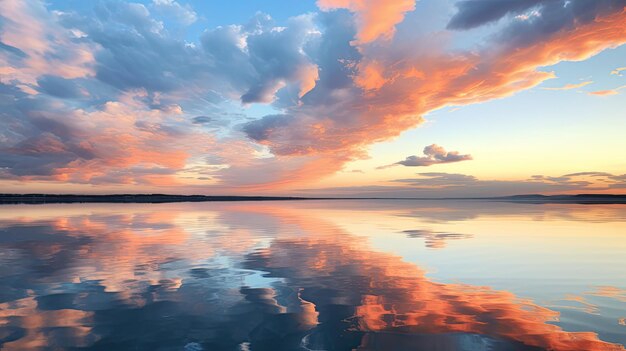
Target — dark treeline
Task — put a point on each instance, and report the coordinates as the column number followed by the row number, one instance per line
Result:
column 128, row 198
column 163, row 198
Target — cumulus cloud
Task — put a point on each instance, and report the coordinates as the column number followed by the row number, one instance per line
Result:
column 87, row 94
column 277, row 56
column 129, row 116
column 395, row 85
column 46, row 140
column 433, row 155
column 183, row 13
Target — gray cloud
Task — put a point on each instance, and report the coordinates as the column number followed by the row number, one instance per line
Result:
column 141, row 76
column 278, row 58
column 261, row 129
column 201, row 120
column 251, row 62
column 12, row 50
column 474, row 13
column 59, row 87
column 334, row 99
column 183, row 13
column 538, row 18
column 433, row 155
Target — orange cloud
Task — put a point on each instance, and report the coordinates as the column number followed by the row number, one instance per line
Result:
column 618, row 71
column 49, row 47
column 604, row 92
column 102, row 119
column 394, row 98
column 608, row 92
column 140, row 147
column 570, row 86
column 375, row 18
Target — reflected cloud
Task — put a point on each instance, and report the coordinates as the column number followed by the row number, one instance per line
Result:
column 435, row 240
column 455, row 211
column 610, row 292
column 243, row 276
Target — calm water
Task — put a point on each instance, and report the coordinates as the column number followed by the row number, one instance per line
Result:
column 342, row 275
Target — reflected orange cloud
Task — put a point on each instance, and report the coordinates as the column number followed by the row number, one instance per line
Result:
column 611, row 292
column 40, row 326
column 309, row 260
column 395, row 296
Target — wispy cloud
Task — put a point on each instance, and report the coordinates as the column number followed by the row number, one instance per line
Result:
column 570, row 86
column 618, row 71
column 607, row 92
column 441, row 184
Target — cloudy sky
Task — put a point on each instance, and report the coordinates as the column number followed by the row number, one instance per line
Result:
column 328, row 97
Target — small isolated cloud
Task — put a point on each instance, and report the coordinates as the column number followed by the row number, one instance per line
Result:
column 571, row 86
column 185, row 14
column 433, row 154
column 608, row 92
column 201, row 120
column 604, row 92
column 618, row 71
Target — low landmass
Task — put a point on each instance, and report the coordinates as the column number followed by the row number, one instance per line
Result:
column 163, row 198
column 576, row 199
column 128, row 198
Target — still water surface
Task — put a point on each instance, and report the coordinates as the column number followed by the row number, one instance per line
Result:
column 314, row 275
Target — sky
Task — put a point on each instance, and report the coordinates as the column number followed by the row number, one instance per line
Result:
column 393, row 98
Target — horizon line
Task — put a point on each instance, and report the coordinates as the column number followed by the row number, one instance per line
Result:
column 44, row 198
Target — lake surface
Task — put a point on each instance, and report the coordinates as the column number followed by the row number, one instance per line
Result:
column 313, row 275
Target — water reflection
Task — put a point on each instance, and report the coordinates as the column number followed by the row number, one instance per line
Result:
column 433, row 239
column 256, row 277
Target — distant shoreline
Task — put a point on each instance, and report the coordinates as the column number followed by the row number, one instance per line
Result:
column 129, row 198
column 7, row 199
